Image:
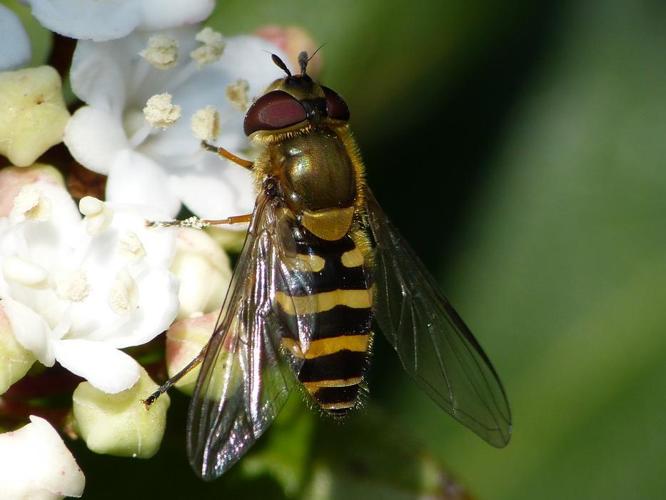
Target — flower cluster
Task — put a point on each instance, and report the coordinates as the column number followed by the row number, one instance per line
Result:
column 86, row 286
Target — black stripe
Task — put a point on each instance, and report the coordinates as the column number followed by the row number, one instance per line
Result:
column 308, row 243
column 342, row 364
column 341, row 320
column 333, row 276
column 346, row 394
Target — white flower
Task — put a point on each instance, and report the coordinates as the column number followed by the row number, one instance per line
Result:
column 35, row 463
column 165, row 167
column 79, row 290
column 13, row 40
column 102, row 20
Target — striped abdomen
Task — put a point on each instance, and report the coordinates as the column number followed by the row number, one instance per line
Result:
column 337, row 301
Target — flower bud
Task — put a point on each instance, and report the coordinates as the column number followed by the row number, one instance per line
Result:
column 184, row 341
column 15, row 361
column 32, row 113
column 12, row 180
column 119, row 424
column 35, row 463
column 292, row 40
column 203, row 270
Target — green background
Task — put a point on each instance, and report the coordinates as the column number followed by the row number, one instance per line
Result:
column 521, row 148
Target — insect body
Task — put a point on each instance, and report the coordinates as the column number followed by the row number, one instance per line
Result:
column 320, row 266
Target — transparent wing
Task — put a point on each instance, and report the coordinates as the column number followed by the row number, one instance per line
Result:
column 433, row 343
column 246, row 376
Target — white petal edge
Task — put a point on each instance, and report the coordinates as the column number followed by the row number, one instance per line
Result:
column 105, row 367
column 136, row 179
column 14, row 41
column 100, row 73
column 82, row 19
column 35, row 463
column 94, row 138
column 163, row 14
column 30, row 330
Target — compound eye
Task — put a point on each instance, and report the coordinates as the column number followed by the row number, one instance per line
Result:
column 336, row 107
column 273, row 111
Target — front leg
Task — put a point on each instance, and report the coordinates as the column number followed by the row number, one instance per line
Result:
column 197, row 223
column 228, row 155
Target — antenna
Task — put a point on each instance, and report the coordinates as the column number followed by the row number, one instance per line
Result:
column 303, row 59
column 280, row 63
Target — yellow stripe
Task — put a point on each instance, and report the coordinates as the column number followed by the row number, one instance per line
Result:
column 314, row 262
column 352, row 258
column 329, row 224
column 340, row 382
column 338, row 406
column 323, row 347
column 325, row 301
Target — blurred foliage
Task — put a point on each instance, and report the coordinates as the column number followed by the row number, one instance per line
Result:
column 533, row 134
column 562, row 270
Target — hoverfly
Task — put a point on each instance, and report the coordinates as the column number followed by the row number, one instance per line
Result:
column 320, row 265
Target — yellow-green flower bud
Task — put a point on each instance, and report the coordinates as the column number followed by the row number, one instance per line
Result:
column 15, row 361
column 119, row 424
column 32, row 113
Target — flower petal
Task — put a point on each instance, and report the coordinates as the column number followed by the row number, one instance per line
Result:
column 135, row 178
column 217, row 189
column 30, row 330
column 100, row 73
column 158, row 307
column 83, row 19
column 13, row 40
column 94, row 137
column 162, row 14
column 35, row 463
column 105, row 367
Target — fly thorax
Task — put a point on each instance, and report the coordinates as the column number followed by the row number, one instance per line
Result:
column 318, row 182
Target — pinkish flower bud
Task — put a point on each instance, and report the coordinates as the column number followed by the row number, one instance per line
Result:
column 293, row 40
column 185, row 339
